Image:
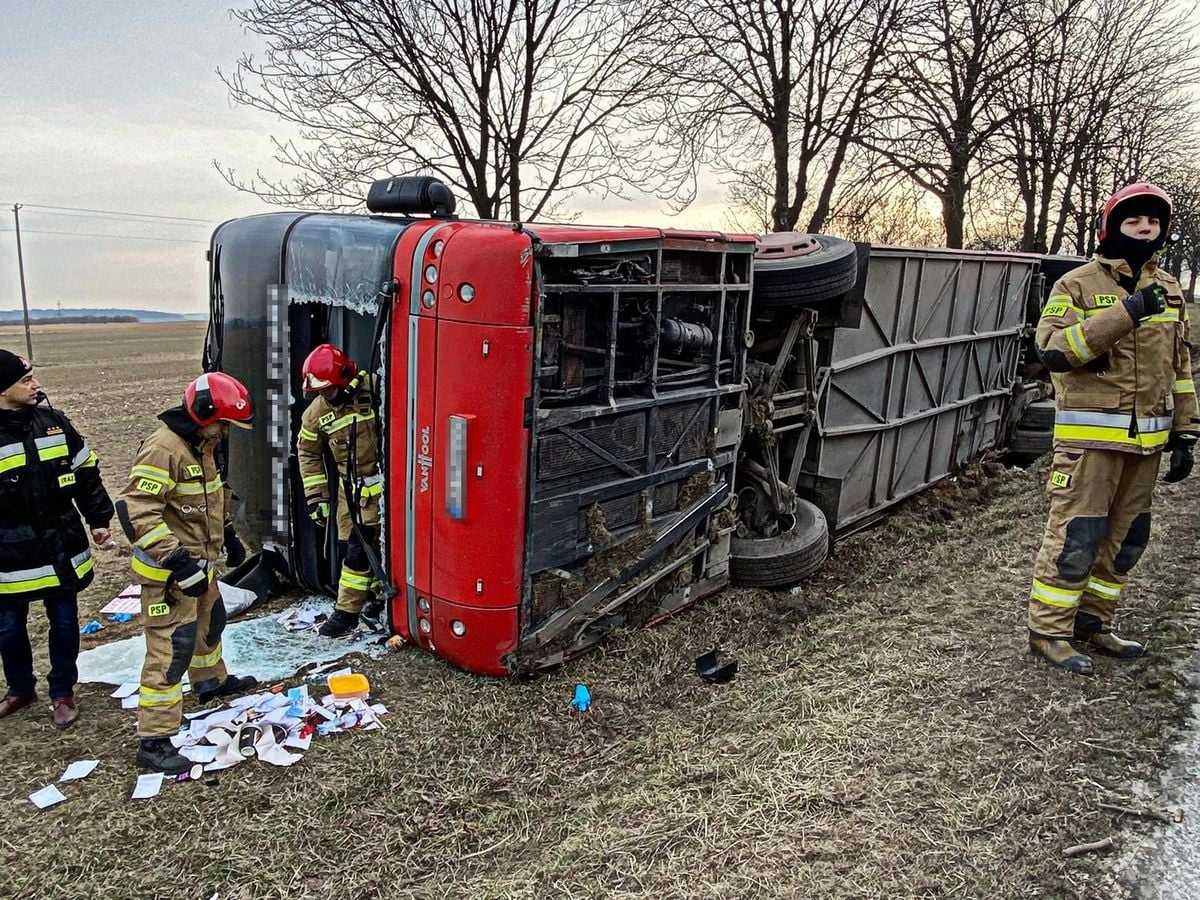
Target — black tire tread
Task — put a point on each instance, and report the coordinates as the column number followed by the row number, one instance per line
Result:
column 806, row 284
column 1038, row 416
column 806, row 551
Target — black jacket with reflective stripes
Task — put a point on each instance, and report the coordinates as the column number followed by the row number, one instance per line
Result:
column 47, row 473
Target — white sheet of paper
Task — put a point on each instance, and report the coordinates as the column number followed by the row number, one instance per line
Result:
column 201, row 753
column 46, row 797
column 268, row 751
column 379, row 709
column 327, row 714
column 358, row 705
column 280, row 717
column 79, row 769
column 130, row 702
column 126, row 690
column 298, row 743
column 147, row 786
column 220, row 717
column 183, row 739
column 273, row 701
column 248, row 701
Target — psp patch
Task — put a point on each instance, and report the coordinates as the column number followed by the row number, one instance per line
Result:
column 1060, row 479
column 147, row 486
column 195, row 471
column 1055, row 309
column 154, row 610
column 1102, row 300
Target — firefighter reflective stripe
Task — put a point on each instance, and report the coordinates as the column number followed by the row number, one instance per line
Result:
column 371, row 486
column 144, row 564
column 24, row 580
column 12, row 456
column 196, row 487
column 208, row 660
column 1105, row 590
column 1113, row 428
column 154, row 535
column 354, row 581
column 83, row 563
column 86, row 457
column 306, row 435
column 1078, row 343
column 1184, row 386
column 52, row 446
column 1053, row 596
column 1170, row 314
column 315, row 480
column 339, row 424
column 151, row 697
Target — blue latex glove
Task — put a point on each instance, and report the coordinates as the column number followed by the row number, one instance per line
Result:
column 120, row 617
column 582, row 700
column 91, row 627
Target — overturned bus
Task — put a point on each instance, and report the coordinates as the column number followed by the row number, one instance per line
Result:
column 589, row 427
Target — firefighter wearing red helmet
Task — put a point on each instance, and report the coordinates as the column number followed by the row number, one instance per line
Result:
column 176, row 512
column 341, row 419
column 1114, row 334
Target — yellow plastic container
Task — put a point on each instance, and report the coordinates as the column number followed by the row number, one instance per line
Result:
column 353, row 686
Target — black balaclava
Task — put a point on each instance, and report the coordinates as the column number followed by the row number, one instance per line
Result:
column 1117, row 245
column 12, row 369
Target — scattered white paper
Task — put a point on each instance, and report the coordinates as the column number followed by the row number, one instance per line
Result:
column 379, row 709
column 130, row 702
column 298, row 743
column 266, row 749
column 200, row 753
column 358, row 705
column 147, row 786
column 326, row 714
column 183, row 739
column 46, row 797
column 220, row 717
column 250, row 700
column 272, row 701
column 128, row 689
column 79, row 769
column 299, row 695
column 281, row 717
column 128, row 601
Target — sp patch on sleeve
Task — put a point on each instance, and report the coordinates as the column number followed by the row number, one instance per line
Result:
column 148, row 486
column 1102, row 300
column 155, row 610
column 194, row 471
column 1055, row 309
column 1060, row 479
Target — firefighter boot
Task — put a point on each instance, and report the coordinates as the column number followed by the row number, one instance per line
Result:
column 233, row 684
column 1060, row 654
column 158, row 754
column 372, row 612
column 1090, row 629
column 340, row 624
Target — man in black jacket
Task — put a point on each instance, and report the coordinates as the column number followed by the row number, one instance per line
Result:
column 47, row 471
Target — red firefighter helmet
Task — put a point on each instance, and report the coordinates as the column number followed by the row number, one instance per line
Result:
column 327, row 366
column 217, row 397
column 1152, row 193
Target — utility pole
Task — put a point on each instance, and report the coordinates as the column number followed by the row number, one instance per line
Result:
column 21, row 269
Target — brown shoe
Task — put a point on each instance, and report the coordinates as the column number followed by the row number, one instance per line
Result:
column 11, row 703
column 1059, row 653
column 64, row 712
column 1108, row 643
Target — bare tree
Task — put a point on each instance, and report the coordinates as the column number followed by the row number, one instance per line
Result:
column 772, row 93
column 956, row 61
column 516, row 103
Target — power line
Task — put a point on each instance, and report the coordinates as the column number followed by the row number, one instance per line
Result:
column 95, row 234
column 119, row 218
column 115, row 212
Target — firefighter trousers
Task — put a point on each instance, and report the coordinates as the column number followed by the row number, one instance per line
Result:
column 1098, row 528
column 356, row 581
column 183, row 634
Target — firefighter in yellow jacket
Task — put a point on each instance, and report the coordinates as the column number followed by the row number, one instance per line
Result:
column 1114, row 334
column 340, row 422
column 175, row 511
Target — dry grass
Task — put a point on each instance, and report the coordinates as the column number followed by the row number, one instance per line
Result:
column 887, row 736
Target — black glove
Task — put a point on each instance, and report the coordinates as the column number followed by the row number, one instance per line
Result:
column 235, row 550
column 186, row 573
column 1149, row 301
column 1181, row 446
column 318, row 511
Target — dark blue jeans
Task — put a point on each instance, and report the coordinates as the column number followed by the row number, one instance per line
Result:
column 63, row 613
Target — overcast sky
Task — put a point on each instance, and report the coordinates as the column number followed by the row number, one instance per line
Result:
column 117, row 106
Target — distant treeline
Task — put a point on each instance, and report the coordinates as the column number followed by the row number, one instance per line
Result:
column 75, row 320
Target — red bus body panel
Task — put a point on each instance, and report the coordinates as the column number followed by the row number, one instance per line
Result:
column 465, row 354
